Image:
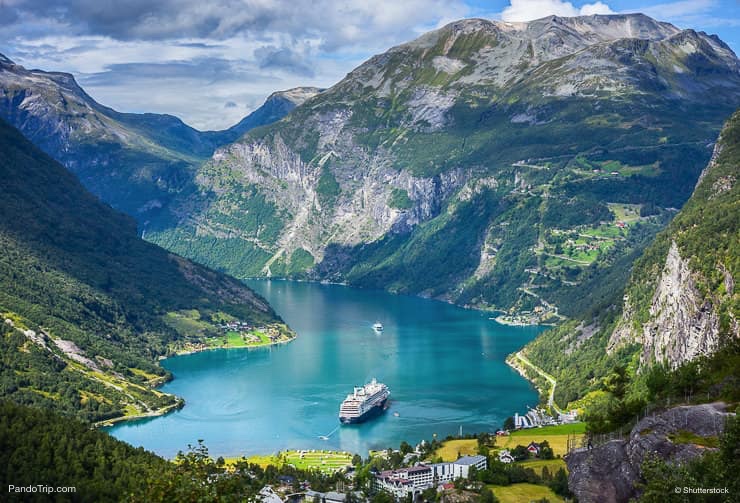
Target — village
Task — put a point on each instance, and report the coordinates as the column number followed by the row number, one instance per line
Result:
column 526, row 454
column 237, row 334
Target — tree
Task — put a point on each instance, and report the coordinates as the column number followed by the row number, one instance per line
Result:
column 429, row 494
column 487, row 496
column 559, row 483
column 405, row 448
column 520, row 453
column 546, row 451
column 383, row 497
column 509, row 423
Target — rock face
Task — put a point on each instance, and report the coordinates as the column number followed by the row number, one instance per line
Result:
column 468, row 146
column 683, row 324
column 609, row 473
column 693, row 288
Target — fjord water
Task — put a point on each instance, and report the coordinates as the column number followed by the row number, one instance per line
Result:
column 444, row 366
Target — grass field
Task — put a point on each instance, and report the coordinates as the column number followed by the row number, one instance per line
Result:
column 561, row 429
column 325, row 461
column 553, row 465
column 453, row 449
column 627, row 213
column 556, row 436
column 524, row 493
column 235, row 340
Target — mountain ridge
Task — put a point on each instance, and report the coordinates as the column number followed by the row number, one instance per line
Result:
column 136, row 162
column 351, row 182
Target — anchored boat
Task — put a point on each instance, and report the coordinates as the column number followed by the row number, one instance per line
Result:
column 364, row 402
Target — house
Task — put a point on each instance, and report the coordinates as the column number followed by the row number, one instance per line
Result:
column 534, row 448
column 505, row 456
column 334, row 497
column 328, row 497
column 445, row 487
column 568, row 417
column 463, row 465
column 502, row 433
column 267, row 495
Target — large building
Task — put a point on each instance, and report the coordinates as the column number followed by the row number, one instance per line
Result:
column 417, row 478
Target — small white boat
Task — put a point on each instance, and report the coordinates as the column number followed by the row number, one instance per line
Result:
column 378, row 327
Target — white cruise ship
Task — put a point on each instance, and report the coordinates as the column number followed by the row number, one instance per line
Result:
column 364, row 402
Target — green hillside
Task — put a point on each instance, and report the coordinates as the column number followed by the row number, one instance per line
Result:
column 706, row 232
column 86, row 304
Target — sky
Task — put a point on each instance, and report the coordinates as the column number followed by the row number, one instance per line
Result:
column 211, row 62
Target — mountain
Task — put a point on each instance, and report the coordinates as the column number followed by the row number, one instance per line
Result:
column 276, row 106
column 135, row 162
column 680, row 305
column 494, row 165
column 86, row 305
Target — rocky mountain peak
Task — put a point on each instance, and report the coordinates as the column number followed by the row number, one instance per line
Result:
column 5, row 61
column 296, row 96
column 474, row 52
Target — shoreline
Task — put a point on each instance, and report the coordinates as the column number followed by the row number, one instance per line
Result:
column 105, row 423
column 517, row 361
column 180, row 401
column 184, row 352
column 444, row 300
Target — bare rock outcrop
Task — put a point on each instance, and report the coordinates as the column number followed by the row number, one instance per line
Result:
column 610, row 473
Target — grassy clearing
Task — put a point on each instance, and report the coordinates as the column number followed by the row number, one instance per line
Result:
column 561, row 429
column 239, row 340
column 687, row 437
column 627, row 213
column 453, row 449
column 187, row 322
column 552, row 465
column 522, row 493
column 325, row 461
column 556, row 436
column 146, row 375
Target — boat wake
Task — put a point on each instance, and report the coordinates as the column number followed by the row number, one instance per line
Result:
column 326, row 437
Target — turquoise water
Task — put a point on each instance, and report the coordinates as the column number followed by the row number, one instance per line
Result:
column 444, row 366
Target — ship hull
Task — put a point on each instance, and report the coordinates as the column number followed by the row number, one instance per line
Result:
column 369, row 414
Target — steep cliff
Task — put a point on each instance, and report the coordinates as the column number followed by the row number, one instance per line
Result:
column 694, row 307
column 489, row 164
column 680, row 301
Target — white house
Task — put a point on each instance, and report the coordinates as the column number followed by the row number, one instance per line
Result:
column 505, row 456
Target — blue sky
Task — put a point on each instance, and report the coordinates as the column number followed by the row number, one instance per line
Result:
column 211, row 62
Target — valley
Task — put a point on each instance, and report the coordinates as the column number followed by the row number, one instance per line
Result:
column 542, row 216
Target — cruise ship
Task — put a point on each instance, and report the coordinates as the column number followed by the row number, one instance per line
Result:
column 364, row 402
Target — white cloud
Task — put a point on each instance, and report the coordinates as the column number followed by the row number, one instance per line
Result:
column 527, row 10
column 132, row 55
